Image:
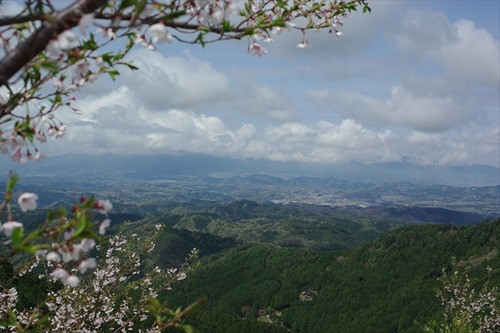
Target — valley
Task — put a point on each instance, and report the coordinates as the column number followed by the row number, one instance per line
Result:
column 300, row 254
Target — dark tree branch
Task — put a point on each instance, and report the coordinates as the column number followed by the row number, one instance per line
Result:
column 38, row 41
column 9, row 20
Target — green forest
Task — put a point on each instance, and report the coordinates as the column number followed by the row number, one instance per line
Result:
column 255, row 283
column 274, row 268
column 387, row 285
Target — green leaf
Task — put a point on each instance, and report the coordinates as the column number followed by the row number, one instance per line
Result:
column 139, row 6
column 17, row 235
column 226, row 26
column 13, row 178
column 90, row 44
column 51, row 66
column 129, row 65
column 185, row 328
column 57, row 99
column 31, row 236
column 106, row 57
column 279, row 22
column 56, row 214
column 80, row 227
column 27, row 248
column 25, row 129
column 113, row 74
column 124, row 4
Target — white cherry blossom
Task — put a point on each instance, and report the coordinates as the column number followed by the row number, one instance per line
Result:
column 60, row 274
column 304, row 45
column 73, row 281
column 27, row 201
column 102, row 227
column 160, row 34
column 87, row 264
column 53, row 256
column 8, row 228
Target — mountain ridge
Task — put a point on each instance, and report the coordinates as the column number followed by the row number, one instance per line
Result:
column 161, row 166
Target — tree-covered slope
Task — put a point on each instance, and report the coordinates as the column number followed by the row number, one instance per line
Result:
column 385, row 286
column 302, row 225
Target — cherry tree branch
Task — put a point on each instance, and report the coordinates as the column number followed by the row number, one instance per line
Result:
column 24, row 52
column 9, row 20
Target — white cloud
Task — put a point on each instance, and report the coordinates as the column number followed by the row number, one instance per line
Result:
column 174, row 82
column 427, row 148
column 382, row 103
column 426, row 113
column 465, row 51
column 261, row 100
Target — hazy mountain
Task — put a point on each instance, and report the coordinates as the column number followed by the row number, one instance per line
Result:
column 160, row 166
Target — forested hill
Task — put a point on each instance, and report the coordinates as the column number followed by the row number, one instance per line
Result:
column 388, row 285
column 301, row 225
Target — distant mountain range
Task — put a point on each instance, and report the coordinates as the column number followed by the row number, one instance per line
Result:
column 149, row 167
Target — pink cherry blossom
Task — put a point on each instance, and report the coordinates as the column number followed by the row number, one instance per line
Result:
column 257, row 49
column 17, row 155
column 103, row 206
column 69, row 233
column 81, row 68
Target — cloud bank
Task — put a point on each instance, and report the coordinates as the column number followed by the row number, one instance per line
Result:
column 421, row 86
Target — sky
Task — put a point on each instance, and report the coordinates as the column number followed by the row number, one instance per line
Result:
column 416, row 81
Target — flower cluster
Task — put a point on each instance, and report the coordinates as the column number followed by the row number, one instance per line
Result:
column 467, row 309
column 73, row 239
column 115, row 296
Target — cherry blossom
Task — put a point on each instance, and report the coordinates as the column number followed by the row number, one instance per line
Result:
column 8, row 227
column 60, row 274
column 102, row 227
column 17, row 155
column 103, row 206
column 64, row 41
column 160, row 34
column 107, row 33
column 27, row 201
column 257, row 49
column 86, row 264
column 304, row 45
column 53, row 256
column 73, row 281
column 87, row 244
column 81, row 68
column 85, row 22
